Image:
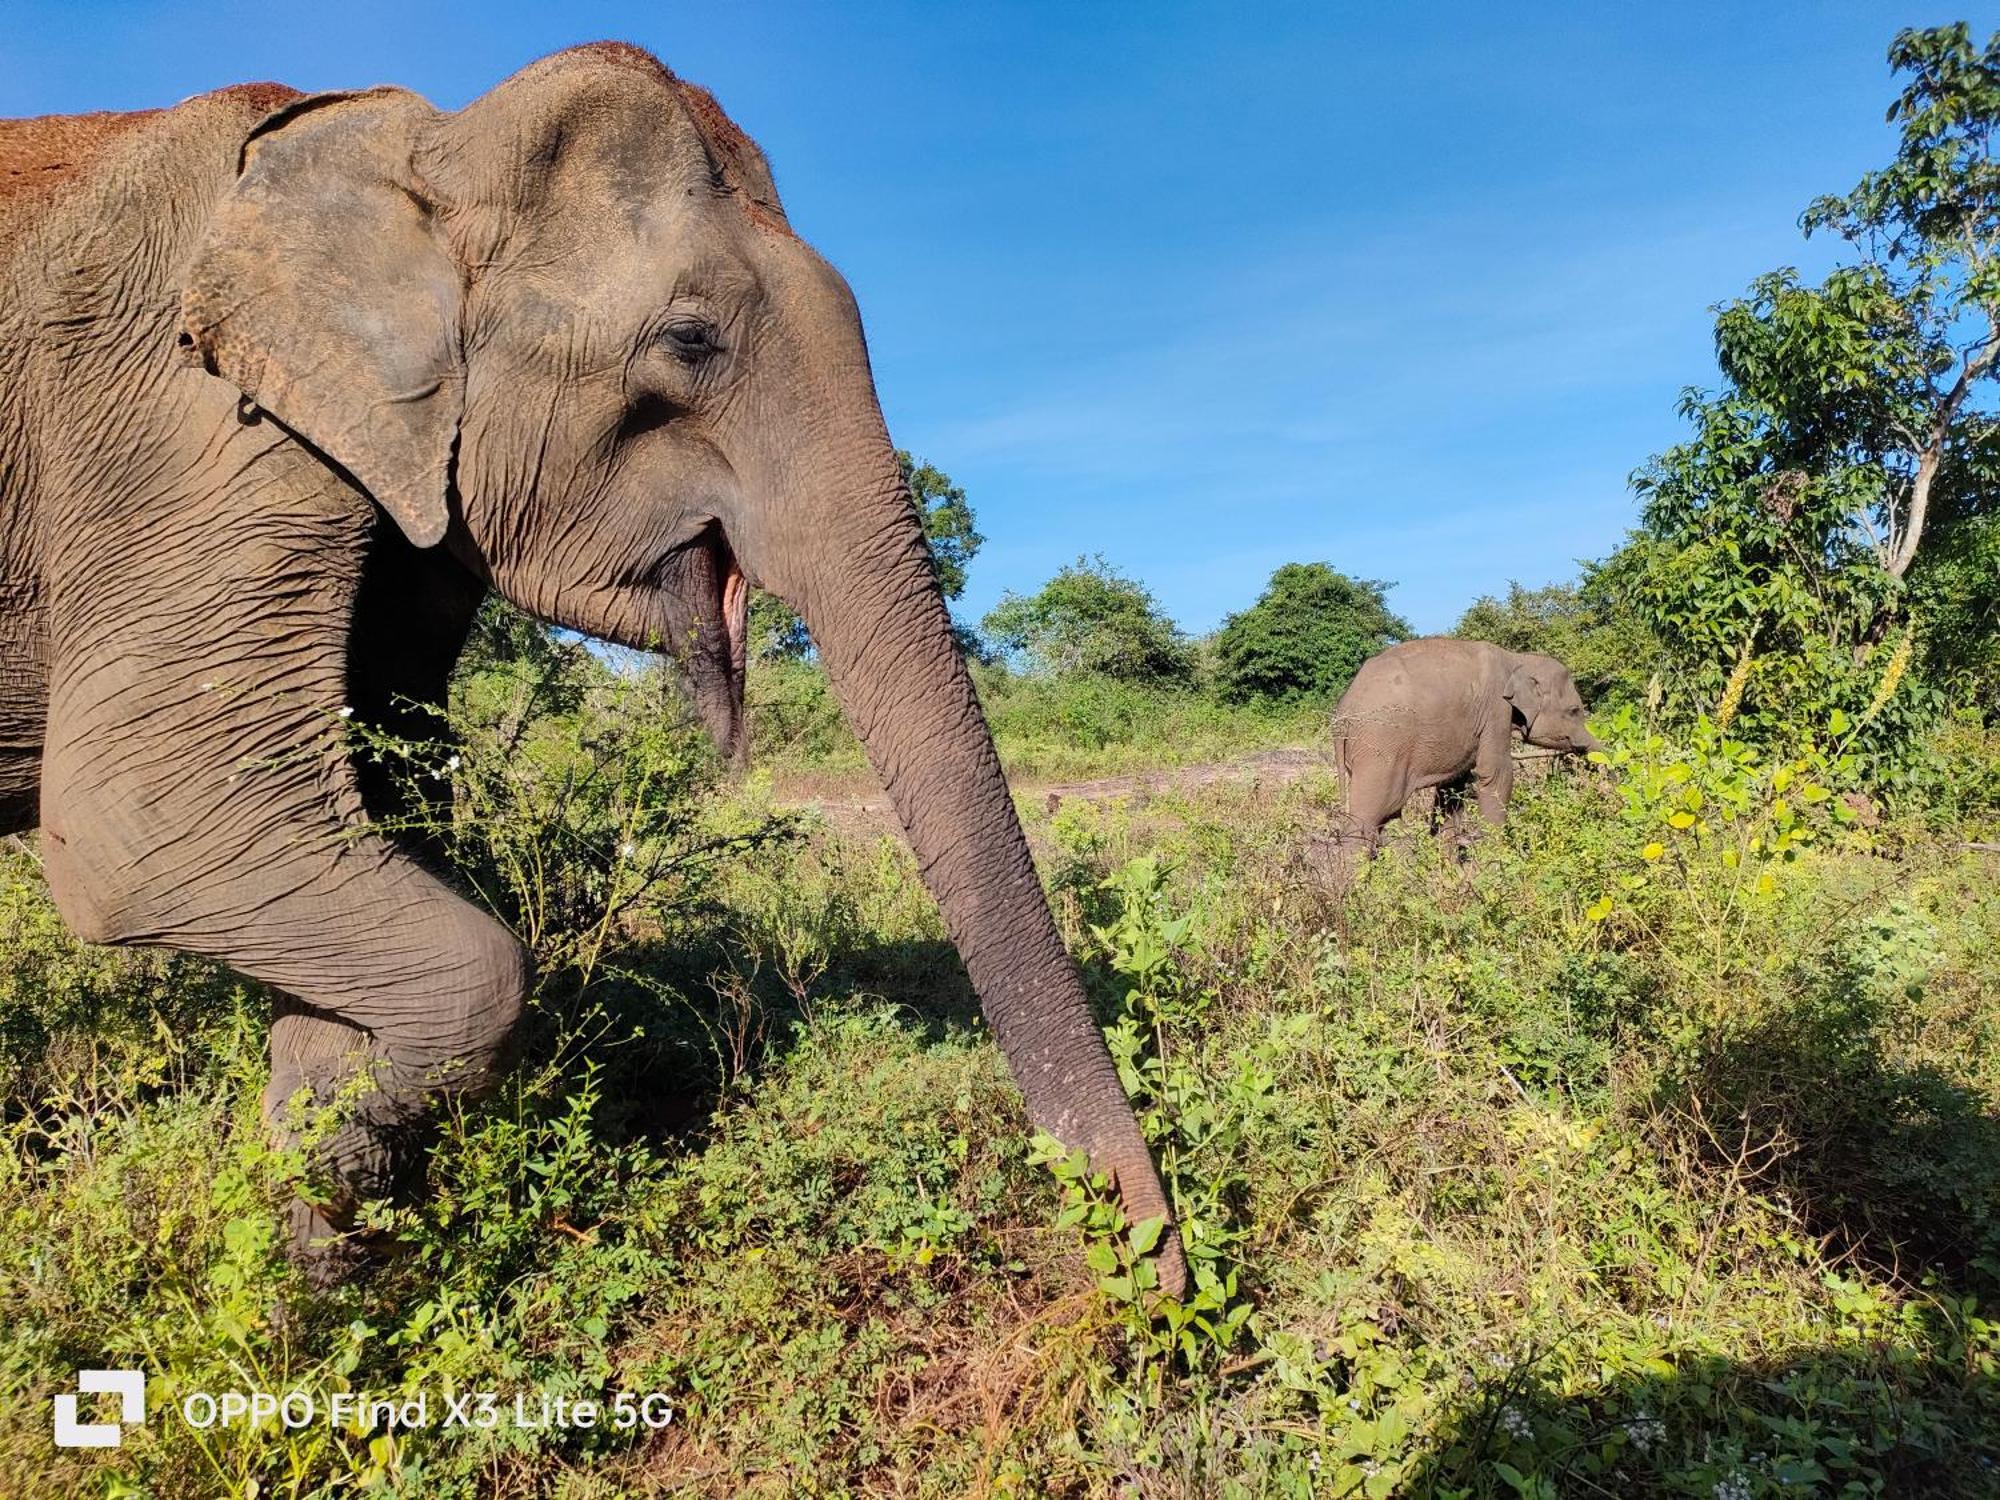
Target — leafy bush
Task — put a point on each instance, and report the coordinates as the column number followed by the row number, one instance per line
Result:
column 1083, row 725
column 1091, row 620
column 1494, row 1198
column 1043, row 726
column 796, row 720
column 1306, row 636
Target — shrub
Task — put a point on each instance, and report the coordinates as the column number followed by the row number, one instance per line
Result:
column 1091, row 619
column 1306, row 636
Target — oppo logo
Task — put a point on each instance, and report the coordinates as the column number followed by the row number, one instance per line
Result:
column 129, row 1386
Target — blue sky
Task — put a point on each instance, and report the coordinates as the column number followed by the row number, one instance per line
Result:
column 1205, row 289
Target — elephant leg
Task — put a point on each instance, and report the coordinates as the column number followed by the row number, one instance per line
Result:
column 197, row 794
column 312, row 1055
column 1492, row 785
column 1375, row 791
column 382, row 969
column 429, row 1009
column 1449, row 817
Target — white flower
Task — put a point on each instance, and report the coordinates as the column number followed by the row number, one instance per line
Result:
column 1514, row 1422
column 627, row 849
column 1644, row 1429
column 346, row 712
column 452, row 764
column 1734, row 1486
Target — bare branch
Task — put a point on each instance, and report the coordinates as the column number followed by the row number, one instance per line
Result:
column 1931, row 456
column 1877, row 543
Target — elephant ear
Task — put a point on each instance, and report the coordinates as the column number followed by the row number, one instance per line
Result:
column 1526, row 691
column 325, row 292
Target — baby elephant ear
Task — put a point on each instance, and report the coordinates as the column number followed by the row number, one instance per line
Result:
column 1524, row 691
column 326, row 294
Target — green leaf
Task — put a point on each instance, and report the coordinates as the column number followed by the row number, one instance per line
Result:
column 1146, row 1234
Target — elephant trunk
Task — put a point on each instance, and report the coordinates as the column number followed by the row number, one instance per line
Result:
column 882, row 631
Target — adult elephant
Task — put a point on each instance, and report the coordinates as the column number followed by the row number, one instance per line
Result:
column 1440, row 712
column 288, row 381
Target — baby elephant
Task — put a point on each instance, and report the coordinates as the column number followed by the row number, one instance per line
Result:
column 1441, row 713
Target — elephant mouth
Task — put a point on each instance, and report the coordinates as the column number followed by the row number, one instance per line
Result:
column 723, row 642
column 735, row 607
column 699, row 616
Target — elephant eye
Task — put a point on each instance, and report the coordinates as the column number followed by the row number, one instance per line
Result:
column 690, row 339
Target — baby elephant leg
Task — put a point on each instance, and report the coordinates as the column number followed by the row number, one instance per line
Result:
column 1374, row 793
column 1492, row 789
column 1449, row 817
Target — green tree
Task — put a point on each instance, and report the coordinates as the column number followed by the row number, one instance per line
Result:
column 1913, row 350
column 776, row 631
column 1584, row 625
column 948, row 523
column 778, row 634
column 1091, row 619
column 1834, row 510
column 1306, row 636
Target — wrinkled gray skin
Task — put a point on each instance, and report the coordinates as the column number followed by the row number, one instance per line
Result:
column 1442, row 713
column 283, row 393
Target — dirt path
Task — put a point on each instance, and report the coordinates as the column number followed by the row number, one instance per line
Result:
column 853, row 806
column 867, row 809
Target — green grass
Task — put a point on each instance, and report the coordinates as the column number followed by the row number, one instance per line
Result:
column 1046, row 729
column 1581, row 1169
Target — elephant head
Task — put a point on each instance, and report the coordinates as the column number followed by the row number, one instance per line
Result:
column 1547, row 706
column 568, row 333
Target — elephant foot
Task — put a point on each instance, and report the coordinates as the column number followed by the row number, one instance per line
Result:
column 324, row 1246
column 327, row 1099
column 324, row 1237
column 366, row 1157
column 1331, row 862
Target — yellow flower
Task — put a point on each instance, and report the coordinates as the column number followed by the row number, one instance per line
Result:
column 1732, row 691
column 1892, row 675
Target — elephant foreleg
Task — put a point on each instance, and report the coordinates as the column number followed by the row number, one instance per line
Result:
column 1493, row 776
column 378, row 1036
column 197, row 794
column 382, row 969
